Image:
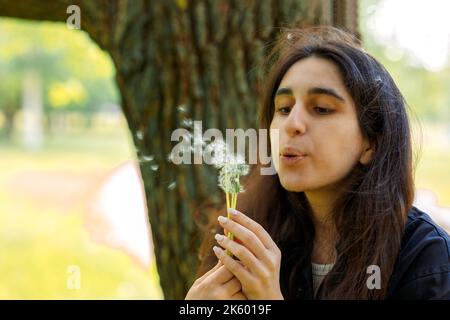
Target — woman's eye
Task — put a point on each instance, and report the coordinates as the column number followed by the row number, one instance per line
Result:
column 323, row 111
column 284, row 110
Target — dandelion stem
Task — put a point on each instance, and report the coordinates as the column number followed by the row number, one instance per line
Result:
column 231, row 168
column 227, row 195
column 233, row 206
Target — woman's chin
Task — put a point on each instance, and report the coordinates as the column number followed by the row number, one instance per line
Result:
column 292, row 185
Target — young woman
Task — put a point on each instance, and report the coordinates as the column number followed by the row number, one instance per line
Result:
column 336, row 221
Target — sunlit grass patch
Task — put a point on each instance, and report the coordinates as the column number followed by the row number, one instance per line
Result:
column 38, row 248
column 41, row 242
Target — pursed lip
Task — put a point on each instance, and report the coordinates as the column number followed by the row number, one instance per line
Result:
column 292, row 152
column 290, row 156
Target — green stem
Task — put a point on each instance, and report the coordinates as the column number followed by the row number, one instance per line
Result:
column 230, row 204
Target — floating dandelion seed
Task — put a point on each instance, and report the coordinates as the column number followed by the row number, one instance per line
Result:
column 139, row 134
column 198, row 140
column 172, row 185
column 154, row 167
column 187, row 123
column 181, row 108
column 147, row 158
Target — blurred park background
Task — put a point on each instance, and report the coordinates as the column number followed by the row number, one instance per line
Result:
column 70, row 194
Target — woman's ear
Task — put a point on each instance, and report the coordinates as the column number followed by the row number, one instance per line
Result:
column 367, row 153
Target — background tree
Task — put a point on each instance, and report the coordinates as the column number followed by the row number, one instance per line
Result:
column 75, row 78
column 178, row 60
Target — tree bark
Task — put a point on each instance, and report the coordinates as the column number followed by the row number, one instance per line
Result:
column 202, row 55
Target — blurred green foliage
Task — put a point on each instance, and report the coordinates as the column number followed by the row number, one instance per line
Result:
column 426, row 92
column 76, row 74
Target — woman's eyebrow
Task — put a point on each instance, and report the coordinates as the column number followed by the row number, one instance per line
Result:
column 281, row 91
column 326, row 91
column 311, row 91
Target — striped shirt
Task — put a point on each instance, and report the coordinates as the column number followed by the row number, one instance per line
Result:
column 319, row 271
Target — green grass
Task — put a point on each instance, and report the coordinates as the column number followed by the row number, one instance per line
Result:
column 41, row 241
column 38, row 249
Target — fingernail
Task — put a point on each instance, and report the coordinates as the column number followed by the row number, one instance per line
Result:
column 222, row 219
column 218, row 237
column 216, row 249
column 233, row 211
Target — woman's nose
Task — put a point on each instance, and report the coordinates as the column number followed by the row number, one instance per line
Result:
column 295, row 121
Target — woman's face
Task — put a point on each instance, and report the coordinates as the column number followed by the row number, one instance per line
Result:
column 319, row 140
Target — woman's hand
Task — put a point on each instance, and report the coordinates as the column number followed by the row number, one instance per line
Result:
column 217, row 284
column 259, row 267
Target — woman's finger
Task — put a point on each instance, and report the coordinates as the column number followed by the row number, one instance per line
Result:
column 253, row 226
column 239, row 296
column 233, row 286
column 248, row 238
column 242, row 253
column 232, row 265
column 221, row 275
column 225, row 232
column 217, row 266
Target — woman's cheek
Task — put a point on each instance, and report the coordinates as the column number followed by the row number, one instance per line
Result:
column 333, row 169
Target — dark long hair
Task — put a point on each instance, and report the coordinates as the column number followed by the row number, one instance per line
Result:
column 370, row 214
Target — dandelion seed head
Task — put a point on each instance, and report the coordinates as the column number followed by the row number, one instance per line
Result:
column 230, row 172
column 231, row 166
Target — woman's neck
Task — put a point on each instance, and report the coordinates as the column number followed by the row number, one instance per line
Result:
column 321, row 205
column 325, row 233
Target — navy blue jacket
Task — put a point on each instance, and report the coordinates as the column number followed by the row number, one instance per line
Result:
column 423, row 267
column 422, row 270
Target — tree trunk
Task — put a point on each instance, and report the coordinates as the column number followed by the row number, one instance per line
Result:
column 32, row 110
column 201, row 56
column 8, row 126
